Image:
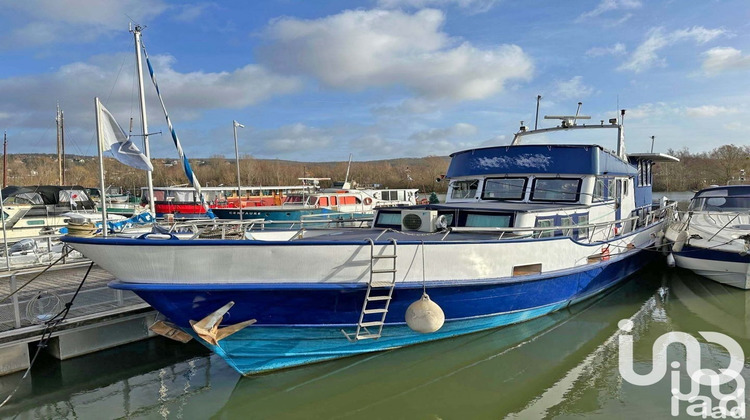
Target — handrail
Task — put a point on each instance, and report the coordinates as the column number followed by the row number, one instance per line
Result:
column 649, row 219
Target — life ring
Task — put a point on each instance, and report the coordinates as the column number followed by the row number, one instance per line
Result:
column 368, row 201
column 605, row 253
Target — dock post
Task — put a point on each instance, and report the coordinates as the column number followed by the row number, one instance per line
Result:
column 14, row 299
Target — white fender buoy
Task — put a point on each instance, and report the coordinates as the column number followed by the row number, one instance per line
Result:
column 679, row 242
column 424, row 315
column 670, row 260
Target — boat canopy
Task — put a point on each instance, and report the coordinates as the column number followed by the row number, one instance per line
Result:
column 51, row 195
column 548, row 159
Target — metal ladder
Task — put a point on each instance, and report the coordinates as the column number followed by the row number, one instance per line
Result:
column 377, row 298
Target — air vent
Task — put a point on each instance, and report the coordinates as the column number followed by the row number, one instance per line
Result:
column 412, row 221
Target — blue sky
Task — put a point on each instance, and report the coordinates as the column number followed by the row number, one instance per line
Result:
column 318, row 80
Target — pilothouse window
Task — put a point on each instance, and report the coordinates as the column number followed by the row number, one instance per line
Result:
column 556, row 189
column 464, row 189
column 504, row 189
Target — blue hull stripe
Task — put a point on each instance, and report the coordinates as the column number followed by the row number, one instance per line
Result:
column 713, row 254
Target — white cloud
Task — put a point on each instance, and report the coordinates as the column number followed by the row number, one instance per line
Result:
column 664, row 111
column 187, row 95
column 53, row 21
column 722, row 59
column 191, row 12
column 356, row 50
column 573, row 88
column 459, row 130
column 409, row 106
column 645, row 56
column 610, row 5
column 293, row 138
column 650, row 111
column 710, row 111
column 373, row 145
column 735, row 126
column 474, row 6
column 617, row 49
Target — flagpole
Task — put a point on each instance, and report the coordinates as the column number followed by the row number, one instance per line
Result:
column 103, row 195
column 235, row 124
column 5, row 233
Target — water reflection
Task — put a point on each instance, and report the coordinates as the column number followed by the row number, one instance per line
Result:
column 560, row 366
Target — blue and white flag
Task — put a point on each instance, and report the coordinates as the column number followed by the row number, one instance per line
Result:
column 114, row 139
column 192, row 179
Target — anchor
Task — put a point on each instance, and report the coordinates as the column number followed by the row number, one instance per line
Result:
column 208, row 327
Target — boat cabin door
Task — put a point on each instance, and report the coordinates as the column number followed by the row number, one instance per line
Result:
column 618, row 202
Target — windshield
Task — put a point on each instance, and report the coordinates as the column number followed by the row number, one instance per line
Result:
column 737, row 203
column 504, row 189
column 464, row 189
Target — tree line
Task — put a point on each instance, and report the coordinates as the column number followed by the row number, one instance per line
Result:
column 720, row 166
column 40, row 169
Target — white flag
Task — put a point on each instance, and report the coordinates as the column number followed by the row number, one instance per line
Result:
column 114, row 139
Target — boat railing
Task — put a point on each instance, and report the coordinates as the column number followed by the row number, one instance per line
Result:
column 235, row 229
column 592, row 232
column 44, row 248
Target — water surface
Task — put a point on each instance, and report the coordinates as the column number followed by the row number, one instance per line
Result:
column 564, row 365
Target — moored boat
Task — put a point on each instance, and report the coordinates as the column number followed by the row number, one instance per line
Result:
column 526, row 230
column 342, row 204
column 42, row 210
column 184, row 202
column 712, row 238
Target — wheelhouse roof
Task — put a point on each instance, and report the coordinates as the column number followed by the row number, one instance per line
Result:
column 538, row 159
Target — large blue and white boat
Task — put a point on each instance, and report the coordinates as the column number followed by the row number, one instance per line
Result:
column 712, row 238
column 526, row 230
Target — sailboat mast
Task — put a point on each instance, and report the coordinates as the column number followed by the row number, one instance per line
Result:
column 144, row 122
column 346, row 178
column 59, row 147
column 62, row 142
column 5, row 159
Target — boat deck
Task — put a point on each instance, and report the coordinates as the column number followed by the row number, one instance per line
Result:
column 380, row 235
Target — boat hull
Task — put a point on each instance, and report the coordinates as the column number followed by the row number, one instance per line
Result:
column 300, row 324
column 730, row 268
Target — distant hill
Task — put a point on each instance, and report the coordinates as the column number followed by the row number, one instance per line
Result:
column 38, row 169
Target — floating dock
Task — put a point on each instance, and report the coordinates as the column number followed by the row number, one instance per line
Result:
column 99, row 318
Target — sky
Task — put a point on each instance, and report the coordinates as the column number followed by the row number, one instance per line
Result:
column 378, row 79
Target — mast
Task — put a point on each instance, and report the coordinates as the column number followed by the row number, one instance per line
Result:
column 144, row 122
column 621, row 137
column 62, row 143
column 5, row 159
column 235, row 124
column 346, row 178
column 59, row 147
